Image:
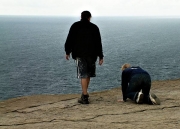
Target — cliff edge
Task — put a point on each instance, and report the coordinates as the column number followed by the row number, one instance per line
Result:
column 103, row 112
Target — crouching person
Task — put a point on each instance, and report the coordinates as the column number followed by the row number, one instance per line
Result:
column 136, row 85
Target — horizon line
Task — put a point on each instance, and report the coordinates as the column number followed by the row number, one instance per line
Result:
column 93, row 16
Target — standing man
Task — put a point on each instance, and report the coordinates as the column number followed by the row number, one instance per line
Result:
column 84, row 43
column 136, row 85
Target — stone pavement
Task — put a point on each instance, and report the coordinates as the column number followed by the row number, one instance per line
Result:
column 103, row 112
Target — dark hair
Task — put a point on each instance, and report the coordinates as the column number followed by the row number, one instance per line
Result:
column 85, row 14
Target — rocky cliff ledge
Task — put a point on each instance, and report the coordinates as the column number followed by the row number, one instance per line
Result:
column 104, row 112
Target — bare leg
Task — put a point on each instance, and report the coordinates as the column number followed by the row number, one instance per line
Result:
column 88, row 81
column 85, row 84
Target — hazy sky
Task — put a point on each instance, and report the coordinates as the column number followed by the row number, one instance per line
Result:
column 96, row 7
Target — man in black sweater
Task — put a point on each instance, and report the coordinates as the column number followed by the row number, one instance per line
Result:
column 136, row 84
column 84, row 43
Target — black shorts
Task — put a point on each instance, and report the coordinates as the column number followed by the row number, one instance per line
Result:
column 86, row 67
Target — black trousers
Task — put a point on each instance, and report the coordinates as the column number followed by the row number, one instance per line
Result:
column 137, row 83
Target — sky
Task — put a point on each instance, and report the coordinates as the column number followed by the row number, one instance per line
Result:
column 96, row 7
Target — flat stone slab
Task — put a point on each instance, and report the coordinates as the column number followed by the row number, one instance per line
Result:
column 103, row 112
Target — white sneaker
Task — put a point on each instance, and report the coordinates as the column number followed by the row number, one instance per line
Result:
column 140, row 97
column 154, row 99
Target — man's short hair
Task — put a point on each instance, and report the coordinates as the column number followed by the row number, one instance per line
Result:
column 125, row 66
column 85, row 14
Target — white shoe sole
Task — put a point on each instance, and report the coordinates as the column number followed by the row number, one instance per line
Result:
column 154, row 99
column 140, row 97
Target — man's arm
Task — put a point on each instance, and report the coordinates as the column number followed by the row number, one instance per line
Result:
column 68, row 43
column 101, row 61
column 99, row 46
column 67, row 57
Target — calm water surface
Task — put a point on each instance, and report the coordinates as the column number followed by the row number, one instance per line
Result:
column 32, row 53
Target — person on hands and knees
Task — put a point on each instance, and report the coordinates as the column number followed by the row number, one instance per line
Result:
column 84, row 44
column 136, row 85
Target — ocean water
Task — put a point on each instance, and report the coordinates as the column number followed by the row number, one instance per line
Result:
column 32, row 57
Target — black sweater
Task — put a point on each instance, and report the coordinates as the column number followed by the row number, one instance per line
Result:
column 84, row 40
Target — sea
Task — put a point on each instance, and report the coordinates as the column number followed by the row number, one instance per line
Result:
column 32, row 56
